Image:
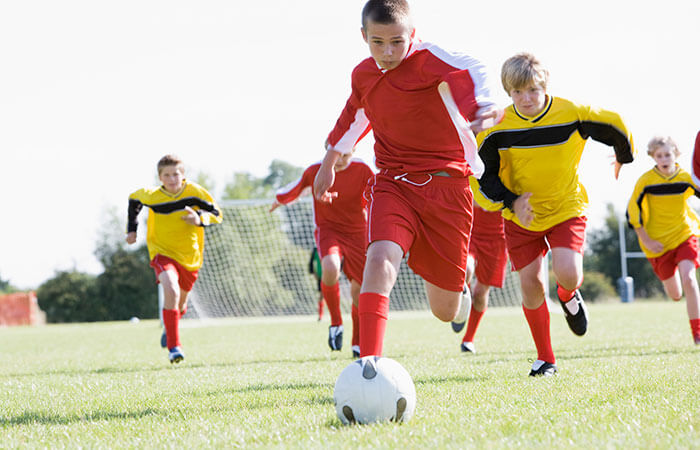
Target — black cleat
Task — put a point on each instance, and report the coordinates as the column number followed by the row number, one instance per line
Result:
column 543, row 369
column 577, row 322
column 356, row 351
column 468, row 347
column 335, row 337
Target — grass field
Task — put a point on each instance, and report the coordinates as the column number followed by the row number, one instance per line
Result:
column 632, row 382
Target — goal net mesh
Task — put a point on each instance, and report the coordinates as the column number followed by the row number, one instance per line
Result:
column 256, row 263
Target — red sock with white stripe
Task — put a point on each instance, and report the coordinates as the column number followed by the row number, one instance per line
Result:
column 373, row 310
column 332, row 296
column 171, row 321
column 355, row 314
column 538, row 320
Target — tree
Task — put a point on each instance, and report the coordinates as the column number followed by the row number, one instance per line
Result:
column 6, row 287
column 246, row 186
column 70, row 297
column 603, row 255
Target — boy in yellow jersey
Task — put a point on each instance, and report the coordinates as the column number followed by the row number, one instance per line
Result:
column 531, row 161
column 179, row 211
column 667, row 227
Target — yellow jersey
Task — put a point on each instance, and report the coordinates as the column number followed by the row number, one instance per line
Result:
column 167, row 234
column 541, row 155
column 659, row 203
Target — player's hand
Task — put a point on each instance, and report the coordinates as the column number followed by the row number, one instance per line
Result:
column 485, row 118
column 131, row 237
column 523, row 209
column 325, row 177
column 653, row 245
column 275, row 205
column 618, row 166
column 192, row 217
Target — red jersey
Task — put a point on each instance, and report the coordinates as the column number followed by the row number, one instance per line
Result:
column 347, row 211
column 696, row 161
column 416, row 128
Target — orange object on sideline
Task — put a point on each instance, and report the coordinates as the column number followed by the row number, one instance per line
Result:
column 20, row 308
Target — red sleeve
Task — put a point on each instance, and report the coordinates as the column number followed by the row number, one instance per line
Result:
column 293, row 190
column 352, row 125
column 462, row 88
column 696, row 161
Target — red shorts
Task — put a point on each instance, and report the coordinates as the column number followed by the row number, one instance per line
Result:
column 430, row 217
column 350, row 247
column 665, row 265
column 524, row 246
column 185, row 278
column 488, row 247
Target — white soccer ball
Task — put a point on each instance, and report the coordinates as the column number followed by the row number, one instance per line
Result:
column 374, row 389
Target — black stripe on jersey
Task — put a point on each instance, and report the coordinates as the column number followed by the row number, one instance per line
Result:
column 134, row 209
column 179, row 205
column 609, row 135
column 664, row 189
column 531, row 137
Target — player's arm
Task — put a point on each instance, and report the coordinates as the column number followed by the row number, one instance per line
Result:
column 134, row 208
column 634, row 218
column 696, row 161
column 651, row 244
column 492, row 186
column 207, row 212
column 609, row 128
column 292, row 191
column 326, row 176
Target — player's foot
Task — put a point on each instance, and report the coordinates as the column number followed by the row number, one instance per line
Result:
column 468, row 347
column 697, row 340
column 163, row 340
column 335, row 337
column 176, row 355
column 355, row 351
column 464, row 306
column 578, row 321
column 543, row 368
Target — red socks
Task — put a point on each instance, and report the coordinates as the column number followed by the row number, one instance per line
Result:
column 373, row 311
column 538, row 320
column 695, row 328
column 473, row 323
column 332, row 296
column 171, row 320
column 564, row 295
column 355, row 326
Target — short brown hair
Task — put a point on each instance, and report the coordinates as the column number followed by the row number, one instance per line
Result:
column 521, row 70
column 170, row 160
column 660, row 141
column 385, row 12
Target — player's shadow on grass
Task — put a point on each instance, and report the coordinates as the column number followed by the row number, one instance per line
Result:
column 45, row 418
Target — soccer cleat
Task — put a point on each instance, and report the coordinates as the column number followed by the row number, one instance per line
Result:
column 543, row 368
column 176, row 355
column 465, row 305
column 355, row 351
column 335, row 337
column 697, row 340
column 577, row 322
column 163, row 340
column 468, row 347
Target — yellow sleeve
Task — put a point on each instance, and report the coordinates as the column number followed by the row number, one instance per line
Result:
column 634, row 207
column 609, row 128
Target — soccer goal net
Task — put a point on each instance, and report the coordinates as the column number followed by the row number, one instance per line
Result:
column 256, row 263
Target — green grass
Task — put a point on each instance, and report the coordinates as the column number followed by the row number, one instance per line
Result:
column 632, row 382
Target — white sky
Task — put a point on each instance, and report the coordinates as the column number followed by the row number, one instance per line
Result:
column 93, row 93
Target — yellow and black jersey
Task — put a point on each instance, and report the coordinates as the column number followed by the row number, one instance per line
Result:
column 167, row 234
column 479, row 198
column 660, row 204
column 541, row 155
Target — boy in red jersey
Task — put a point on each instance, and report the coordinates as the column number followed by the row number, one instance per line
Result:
column 418, row 99
column 531, row 164
column 667, row 227
column 488, row 260
column 341, row 237
column 179, row 211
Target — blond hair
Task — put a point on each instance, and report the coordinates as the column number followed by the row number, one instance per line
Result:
column 171, row 160
column 661, row 141
column 521, row 71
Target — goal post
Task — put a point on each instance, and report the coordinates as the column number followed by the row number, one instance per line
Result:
column 256, row 264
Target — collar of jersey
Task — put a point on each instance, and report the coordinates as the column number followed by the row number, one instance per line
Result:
column 177, row 194
column 538, row 117
column 669, row 177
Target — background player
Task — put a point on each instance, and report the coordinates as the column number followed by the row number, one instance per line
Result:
column 417, row 98
column 531, row 164
column 667, row 227
column 316, row 270
column 341, row 237
column 178, row 212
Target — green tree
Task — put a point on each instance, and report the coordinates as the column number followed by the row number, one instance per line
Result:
column 603, row 255
column 6, row 287
column 70, row 297
column 246, row 186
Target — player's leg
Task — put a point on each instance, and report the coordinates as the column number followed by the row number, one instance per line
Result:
column 537, row 316
column 444, row 304
column 355, row 294
column 330, row 289
column 686, row 270
column 171, row 312
column 673, row 288
column 480, row 302
column 465, row 304
column 381, row 270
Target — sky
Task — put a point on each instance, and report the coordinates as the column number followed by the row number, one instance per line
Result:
column 92, row 94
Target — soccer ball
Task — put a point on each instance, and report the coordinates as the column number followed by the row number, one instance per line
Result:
column 374, row 389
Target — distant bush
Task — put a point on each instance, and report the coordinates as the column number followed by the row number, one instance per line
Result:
column 595, row 287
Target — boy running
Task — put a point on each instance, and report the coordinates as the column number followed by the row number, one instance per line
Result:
column 179, row 211
column 531, row 164
column 667, row 227
column 341, row 237
column 418, row 100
